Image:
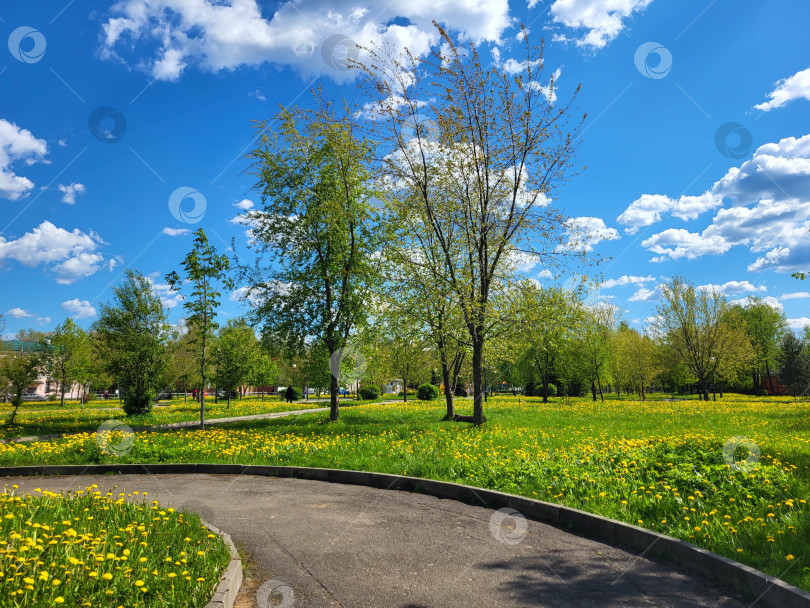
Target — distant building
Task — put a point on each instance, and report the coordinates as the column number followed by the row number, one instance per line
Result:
column 44, row 385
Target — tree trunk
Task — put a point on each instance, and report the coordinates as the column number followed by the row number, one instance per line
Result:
column 62, row 389
column 545, row 388
column 405, row 389
column 593, row 389
column 601, row 394
column 202, row 382
column 477, row 369
column 448, row 388
column 334, row 412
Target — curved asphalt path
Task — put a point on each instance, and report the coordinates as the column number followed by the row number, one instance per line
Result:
column 338, row 545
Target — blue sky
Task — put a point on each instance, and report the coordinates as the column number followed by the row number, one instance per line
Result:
column 697, row 141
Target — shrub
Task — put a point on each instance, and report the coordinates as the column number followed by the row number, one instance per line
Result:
column 369, row 392
column 552, row 390
column 138, row 403
column 461, row 390
column 427, row 392
column 89, row 397
column 53, row 397
column 529, row 390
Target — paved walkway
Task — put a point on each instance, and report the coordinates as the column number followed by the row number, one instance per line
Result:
column 334, row 545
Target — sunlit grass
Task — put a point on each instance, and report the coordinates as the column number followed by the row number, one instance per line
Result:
column 658, row 464
column 91, row 549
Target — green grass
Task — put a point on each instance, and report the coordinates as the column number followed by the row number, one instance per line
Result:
column 658, row 464
column 37, row 418
column 89, row 549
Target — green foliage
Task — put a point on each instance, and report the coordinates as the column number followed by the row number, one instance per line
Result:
column 794, row 364
column 236, row 354
column 18, row 371
column 131, row 335
column 369, row 392
column 552, row 390
column 427, row 392
column 67, row 355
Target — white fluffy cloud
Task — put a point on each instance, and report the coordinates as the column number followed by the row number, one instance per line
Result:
column 797, row 295
column 17, row 144
column 730, row 287
column 626, row 280
column 586, row 232
column 176, row 231
column 787, row 89
column 69, row 192
column 70, row 255
column 17, row 313
column 769, row 300
column 643, row 294
column 649, row 208
column 798, row 324
column 769, row 213
column 79, row 309
column 313, row 37
column 603, row 20
column 168, row 296
column 244, row 204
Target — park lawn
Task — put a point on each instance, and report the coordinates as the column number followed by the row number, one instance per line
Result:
column 657, row 464
column 56, row 419
column 87, row 549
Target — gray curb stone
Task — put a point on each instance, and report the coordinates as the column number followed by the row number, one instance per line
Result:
column 769, row 591
column 231, row 579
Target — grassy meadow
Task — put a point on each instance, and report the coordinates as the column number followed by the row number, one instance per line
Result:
column 658, row 464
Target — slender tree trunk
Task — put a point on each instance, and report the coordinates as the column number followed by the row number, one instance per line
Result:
column 448, row 389
column 334, row 412
column 477, row 365
column 202, row 381
column 593, row 389
column 62, row 389
column 601, row 394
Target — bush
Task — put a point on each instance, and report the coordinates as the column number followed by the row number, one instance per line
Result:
column 139, row 403
column 53, row 397
column 529, row 390
column 552, row 390
column 89, row 397
column 369, row 392
column 427, row 392
column 461, row 390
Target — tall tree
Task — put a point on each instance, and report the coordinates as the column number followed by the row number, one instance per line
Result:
column 67, row 355
column 18, row 371
column 478, row 164
column 594, row 342
column 132, row 333
column 794, row 364
column 206, row 271
column 318, row 227
column 637, row 360
column 264, row 372
column 236, row 353
column 695, row 326
column 765, row 327
column 547, row 327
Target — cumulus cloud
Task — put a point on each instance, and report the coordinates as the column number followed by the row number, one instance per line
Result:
column 786, row 90
column 168, row 296
column 311, row 37
column 769, row 213
column 70, row 255
column 647, row 295
column 545, row 274
column 796, row 295
column 79, row 309
column 649, row 208
column 769, row 300
column 69, row 192
column 17, row 313
column 17, row 144
column 602, row 20
column 586, row 232
column 626, row 280
column 244, row 204
column 730, row 287
column 176, row 231
column 799, row 323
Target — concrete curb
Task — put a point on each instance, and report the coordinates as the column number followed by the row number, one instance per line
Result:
column 231, row 579
column 769, row 591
